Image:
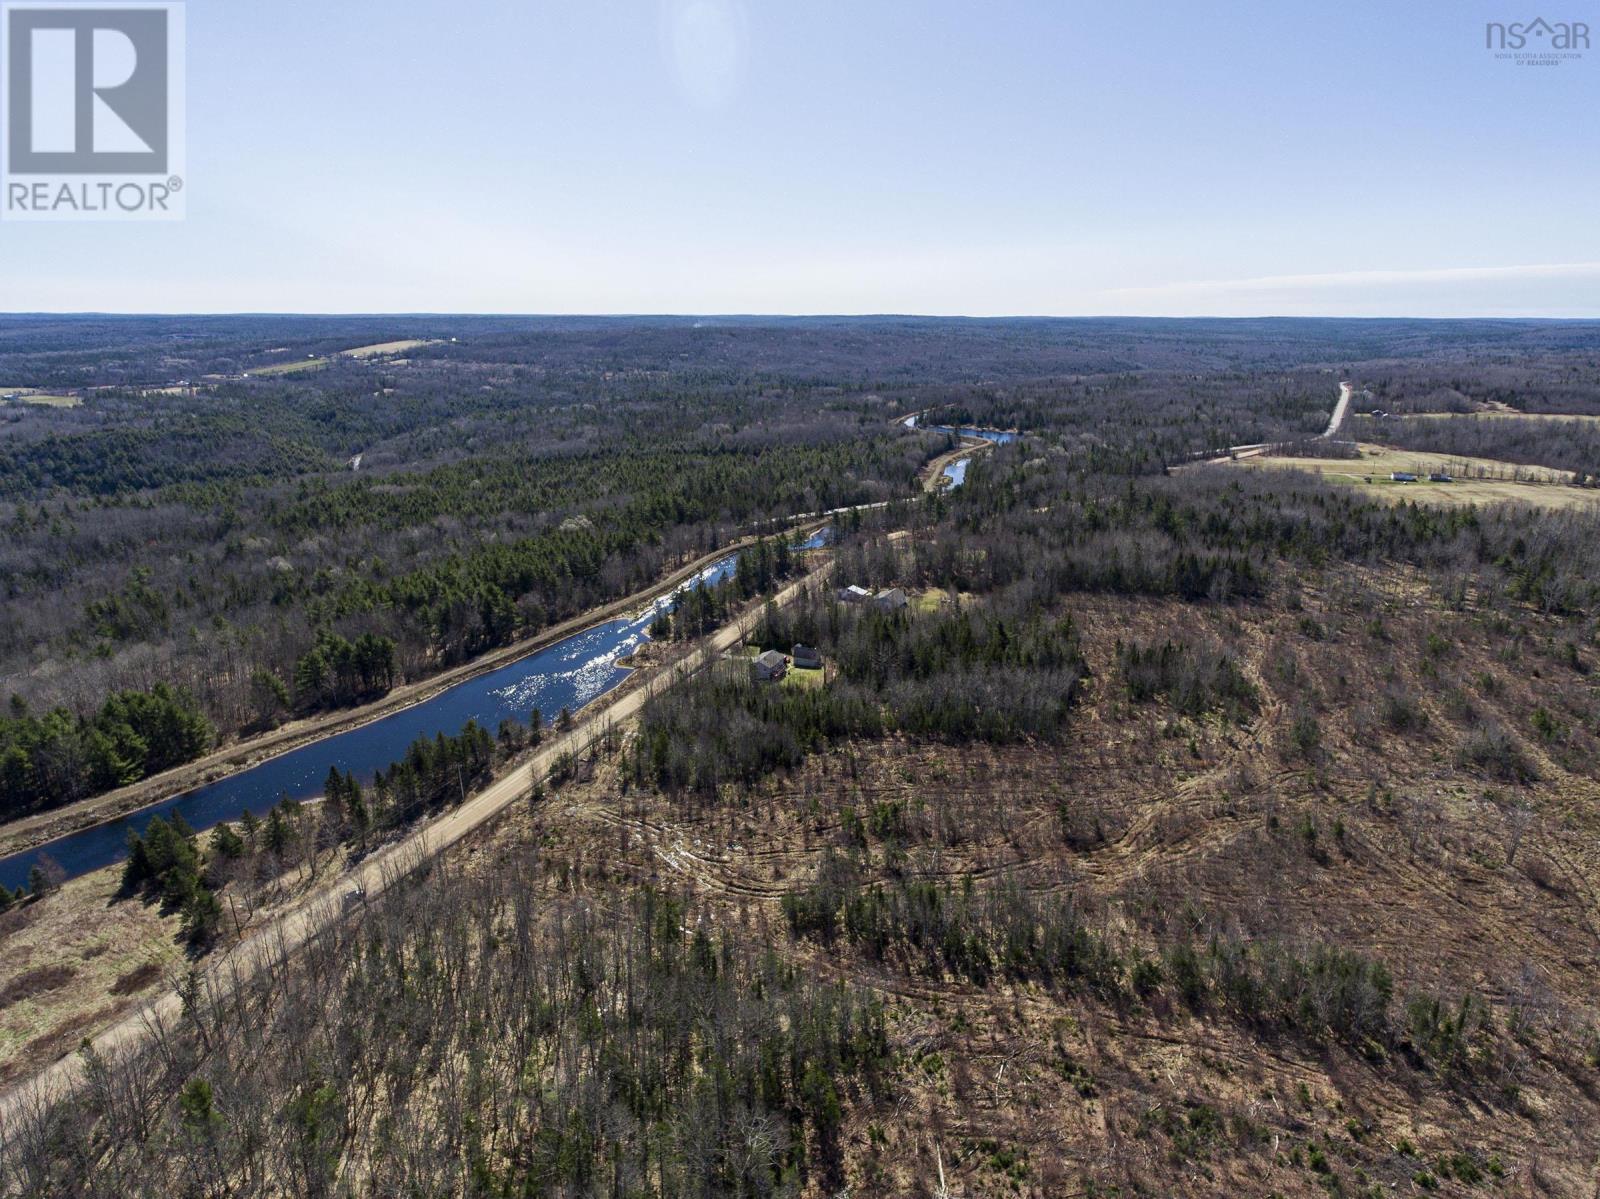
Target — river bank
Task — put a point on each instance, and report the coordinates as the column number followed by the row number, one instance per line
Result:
column 278, row 934
column 240, row 756
column 937, row 476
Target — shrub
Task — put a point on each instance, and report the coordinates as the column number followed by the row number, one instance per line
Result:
column 1305, row 734
column 1195, row 679
column 1402, row 713
column 1492, row 751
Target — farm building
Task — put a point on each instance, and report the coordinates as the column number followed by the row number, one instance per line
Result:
column 806, row 658
column 853, row 595
column 891, row 600
column 769, row 667
column 1439, row 476
column 1402, row 476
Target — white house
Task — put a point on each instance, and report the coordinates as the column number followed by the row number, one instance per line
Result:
column 769, row 667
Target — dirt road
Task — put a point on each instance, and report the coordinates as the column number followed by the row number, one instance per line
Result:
column 1256, row 449
column 933, row 476
column 287, row 932
column 1339, row 410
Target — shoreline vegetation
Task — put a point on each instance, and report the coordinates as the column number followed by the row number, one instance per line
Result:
column 30, row 832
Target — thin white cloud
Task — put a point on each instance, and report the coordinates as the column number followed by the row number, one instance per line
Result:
column 1367, row 279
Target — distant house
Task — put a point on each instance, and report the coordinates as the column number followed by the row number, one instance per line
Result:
column 853, row 595
column 806, row 658
column 769, row 667
column 1402, row 476
column 892, row 600
column 1439, row 476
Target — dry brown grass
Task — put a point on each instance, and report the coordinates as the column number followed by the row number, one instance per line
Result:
column 88, row 943
column 35, row 982
column 1476, row 480
column 387, row 349
column 288, row 368
column 46, row 399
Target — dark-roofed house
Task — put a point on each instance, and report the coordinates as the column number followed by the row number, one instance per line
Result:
column 806, row 658
column 769, row 667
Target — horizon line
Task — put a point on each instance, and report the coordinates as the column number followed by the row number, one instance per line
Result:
column 375, row 314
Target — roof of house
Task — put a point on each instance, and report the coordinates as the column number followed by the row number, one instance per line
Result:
column 771, row 660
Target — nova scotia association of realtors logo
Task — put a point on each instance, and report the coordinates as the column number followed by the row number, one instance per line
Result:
column 91, row 111
column 1536, row 43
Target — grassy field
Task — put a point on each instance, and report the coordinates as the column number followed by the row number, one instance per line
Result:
column 63, row 975
column 289, row 368
column 385, row 349
column 1477, row 480
column 803, row 680
column 1496, row 414
column 52, row 401
column 33, row 395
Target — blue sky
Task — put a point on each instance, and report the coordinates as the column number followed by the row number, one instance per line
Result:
column 853, row 156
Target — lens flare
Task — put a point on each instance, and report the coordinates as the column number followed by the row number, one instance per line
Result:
column 707, row 43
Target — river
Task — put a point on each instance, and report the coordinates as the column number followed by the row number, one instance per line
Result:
column 956, row 471
column 569, row 674
column 998, row 436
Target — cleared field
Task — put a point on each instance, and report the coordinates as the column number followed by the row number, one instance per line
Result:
column 1498, row 414
column 803, row 680
column 385, row 349
column 289, row 368
column 63, row 975
column 28, row 395
column 1476, row 480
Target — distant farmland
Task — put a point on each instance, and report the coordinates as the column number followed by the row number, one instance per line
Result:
column 1474, row 480
column 385, row 349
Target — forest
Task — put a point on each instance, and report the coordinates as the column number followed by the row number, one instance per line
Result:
column 1191, row 829
column 1553, row 442
column 509, row 475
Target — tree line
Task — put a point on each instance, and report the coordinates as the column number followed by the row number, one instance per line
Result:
column 56, row 757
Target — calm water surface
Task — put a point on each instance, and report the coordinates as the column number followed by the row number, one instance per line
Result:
column 569, row 674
